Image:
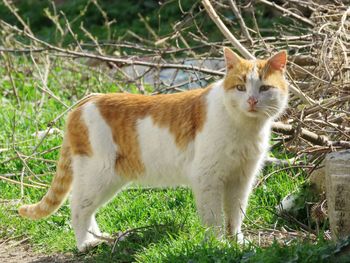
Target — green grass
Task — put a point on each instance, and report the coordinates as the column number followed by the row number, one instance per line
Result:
column 173, row 232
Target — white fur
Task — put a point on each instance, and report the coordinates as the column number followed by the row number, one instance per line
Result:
column 165, row 163
column 94, row 178
column 219, row 165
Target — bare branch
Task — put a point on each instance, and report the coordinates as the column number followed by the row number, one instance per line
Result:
column 216, row 19
column 286, row 11
column 241, row 21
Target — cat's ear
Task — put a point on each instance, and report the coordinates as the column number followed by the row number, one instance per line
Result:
column 231, row 58
column 278, row 61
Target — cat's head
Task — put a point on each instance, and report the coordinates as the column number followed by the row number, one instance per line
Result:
column 255, row 88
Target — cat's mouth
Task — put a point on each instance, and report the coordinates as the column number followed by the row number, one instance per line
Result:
column 252, row 110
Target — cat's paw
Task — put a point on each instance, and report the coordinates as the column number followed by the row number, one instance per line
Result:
column 240, row 238
column 89, row 244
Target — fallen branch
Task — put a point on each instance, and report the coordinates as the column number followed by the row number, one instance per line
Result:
column 312, row 137
column 263, row 179
column 122, row 235
column 279, row 162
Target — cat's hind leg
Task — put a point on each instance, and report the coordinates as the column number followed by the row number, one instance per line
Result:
column 94, row 176
column 95, row 183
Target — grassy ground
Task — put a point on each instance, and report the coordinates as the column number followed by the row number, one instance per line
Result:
column 163, row 223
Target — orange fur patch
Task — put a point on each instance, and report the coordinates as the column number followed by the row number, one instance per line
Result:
column 78, row 134
column 183, row 114
column 237, row 74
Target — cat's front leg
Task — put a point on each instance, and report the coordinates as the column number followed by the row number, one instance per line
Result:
column 236, row 193
column 208, row 193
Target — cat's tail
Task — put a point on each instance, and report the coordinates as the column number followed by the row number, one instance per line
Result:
column 58, row 191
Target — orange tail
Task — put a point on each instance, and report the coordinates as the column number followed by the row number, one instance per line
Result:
column 58, row 191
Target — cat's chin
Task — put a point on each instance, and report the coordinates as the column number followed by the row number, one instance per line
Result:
column 255, row 114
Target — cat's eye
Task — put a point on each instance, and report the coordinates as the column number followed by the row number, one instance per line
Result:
column 264, row 88
column 240, row 87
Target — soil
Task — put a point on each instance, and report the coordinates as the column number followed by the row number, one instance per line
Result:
column 20, row 252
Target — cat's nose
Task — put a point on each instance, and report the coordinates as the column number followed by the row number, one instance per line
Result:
column 252, row 101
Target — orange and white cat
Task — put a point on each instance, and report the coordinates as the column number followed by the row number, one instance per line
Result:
column 213, row 140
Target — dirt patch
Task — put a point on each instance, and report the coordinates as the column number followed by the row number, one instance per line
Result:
column 13, row 251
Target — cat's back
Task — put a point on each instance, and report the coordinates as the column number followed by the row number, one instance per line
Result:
column 148, row 104
column 162, row 108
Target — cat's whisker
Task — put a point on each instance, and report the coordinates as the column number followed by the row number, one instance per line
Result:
column 270, row 107
column 269, row 114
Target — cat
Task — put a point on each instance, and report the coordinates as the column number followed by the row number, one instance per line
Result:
column 213, row 140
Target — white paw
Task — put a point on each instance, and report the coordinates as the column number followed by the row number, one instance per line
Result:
column 89, row 244
column 240, row 238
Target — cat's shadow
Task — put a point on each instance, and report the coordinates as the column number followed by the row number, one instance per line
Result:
column 129, row 243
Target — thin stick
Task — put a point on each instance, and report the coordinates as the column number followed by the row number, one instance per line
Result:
column 241, row 21
column 22, row 176
column 280, row 170
column 297, row 92
column 52, row 123
column 14, row 12
column 286, row 11
column 9, row 70
column 133, row 230
column 20, row 183
column 45, row 88
column 216, row 19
